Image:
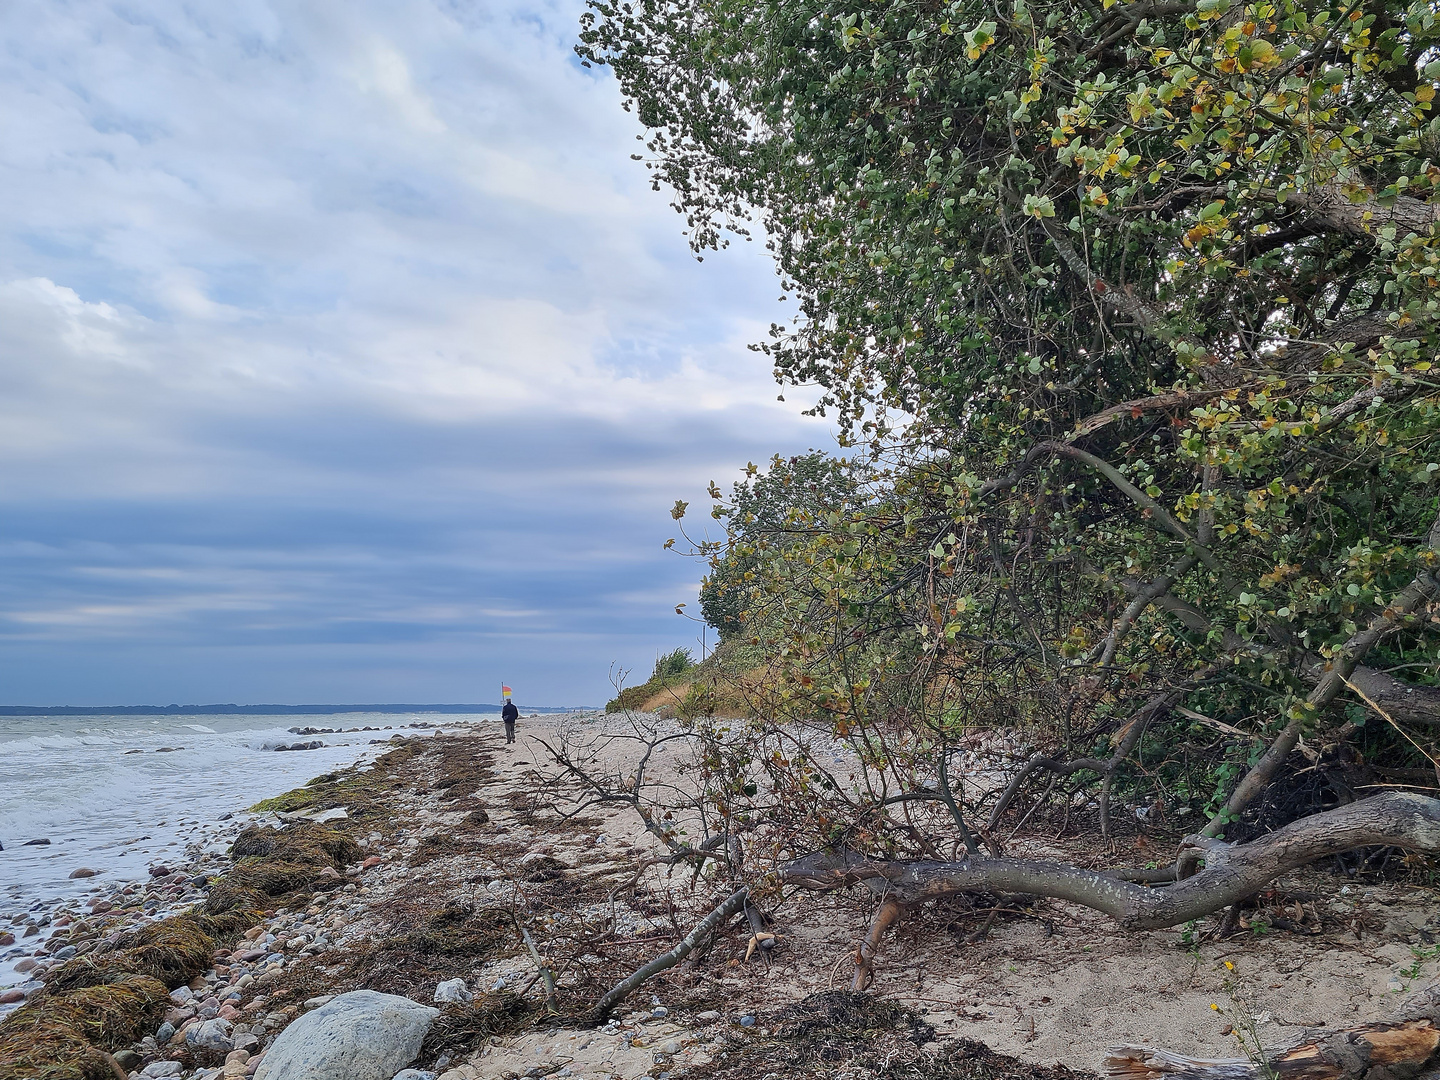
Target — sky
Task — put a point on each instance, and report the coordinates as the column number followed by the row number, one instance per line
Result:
column 347, row 356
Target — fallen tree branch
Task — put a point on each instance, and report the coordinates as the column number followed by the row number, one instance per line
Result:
column 1231, row 871
column 886, row 916
column 627, row 986
column 1402, row 1046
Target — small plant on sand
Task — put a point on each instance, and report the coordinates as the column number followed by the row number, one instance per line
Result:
column 1421, row 953
column 1243, row 1024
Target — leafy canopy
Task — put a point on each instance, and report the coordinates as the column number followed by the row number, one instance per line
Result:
column 1155, row 287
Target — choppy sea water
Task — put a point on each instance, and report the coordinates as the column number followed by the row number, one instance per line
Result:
column 118, row 794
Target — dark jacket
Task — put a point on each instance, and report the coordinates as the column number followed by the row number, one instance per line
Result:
column 509, row 713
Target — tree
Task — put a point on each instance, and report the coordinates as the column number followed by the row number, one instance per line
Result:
column 769, row 510
column 1133, row 310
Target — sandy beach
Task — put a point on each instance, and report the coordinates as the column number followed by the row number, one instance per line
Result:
column 458, row 864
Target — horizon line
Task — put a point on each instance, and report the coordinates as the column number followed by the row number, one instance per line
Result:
column 265, row 710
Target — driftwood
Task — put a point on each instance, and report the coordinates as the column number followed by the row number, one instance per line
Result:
column 666, row 960
column 1231, row 872
column 1408, row 1045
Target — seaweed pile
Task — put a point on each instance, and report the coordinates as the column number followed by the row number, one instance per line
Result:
column 849, row 1036
column 366, row 793
column 107, row 999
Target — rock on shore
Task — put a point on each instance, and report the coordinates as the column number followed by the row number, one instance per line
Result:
column 362, row 1035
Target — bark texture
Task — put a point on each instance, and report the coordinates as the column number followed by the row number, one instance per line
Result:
column 1408, row 1045
column 1231, row 871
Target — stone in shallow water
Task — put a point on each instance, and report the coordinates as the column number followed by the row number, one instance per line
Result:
column 362, row 1035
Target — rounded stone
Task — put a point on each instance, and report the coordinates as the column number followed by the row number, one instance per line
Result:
column 362, row 1035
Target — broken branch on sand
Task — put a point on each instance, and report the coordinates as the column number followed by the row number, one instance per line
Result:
column 1402, row 1046
column 1230, row 873
column 627, row 986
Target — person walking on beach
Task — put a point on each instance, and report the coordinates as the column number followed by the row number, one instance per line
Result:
column 509, row 714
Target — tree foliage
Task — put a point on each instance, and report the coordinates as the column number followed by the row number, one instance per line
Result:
column 1134, row 310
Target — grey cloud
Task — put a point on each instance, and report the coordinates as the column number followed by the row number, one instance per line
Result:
column 345, row 354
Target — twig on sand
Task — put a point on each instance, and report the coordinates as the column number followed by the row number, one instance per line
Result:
column 623, row 989
column 545, row 973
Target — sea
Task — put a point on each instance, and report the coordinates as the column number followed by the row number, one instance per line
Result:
column 117, row 794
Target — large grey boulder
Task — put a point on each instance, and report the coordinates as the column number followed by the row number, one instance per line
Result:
column 362, row 1035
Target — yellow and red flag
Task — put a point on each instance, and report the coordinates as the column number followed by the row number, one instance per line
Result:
column 506, row 691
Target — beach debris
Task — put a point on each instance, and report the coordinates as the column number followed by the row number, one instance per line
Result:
column 362, row 1035
column 55, row 1030
column 452, row 992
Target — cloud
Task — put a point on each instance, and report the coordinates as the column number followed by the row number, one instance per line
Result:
column 347, row 356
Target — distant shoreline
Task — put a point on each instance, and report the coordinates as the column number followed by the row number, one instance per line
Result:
column 259, row 710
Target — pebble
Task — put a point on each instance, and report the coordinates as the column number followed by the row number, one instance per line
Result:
column 747, row 1021
column 7, row 938
column 10, row 997
column 36, row 843
column 210, row 1035
column 709, row 1016
column 83, row 871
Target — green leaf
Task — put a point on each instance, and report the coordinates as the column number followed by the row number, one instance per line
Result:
column 1039, row 206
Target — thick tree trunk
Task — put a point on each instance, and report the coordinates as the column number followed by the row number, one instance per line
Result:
column 1406, row 1046
column 1231, row 872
